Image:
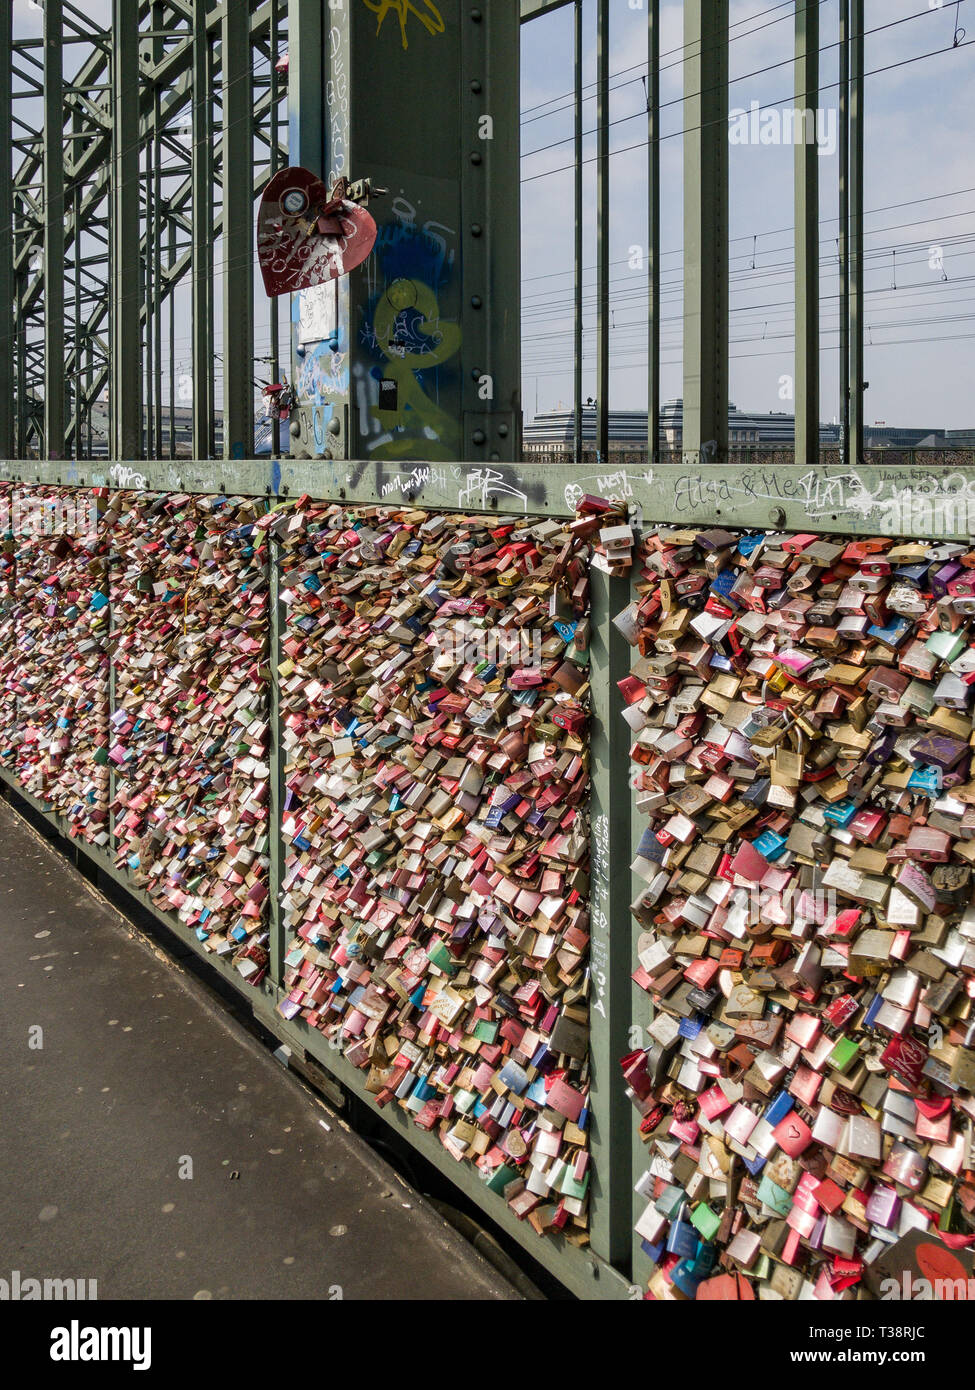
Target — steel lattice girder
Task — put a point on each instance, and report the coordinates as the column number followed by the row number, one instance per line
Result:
column 162, row 97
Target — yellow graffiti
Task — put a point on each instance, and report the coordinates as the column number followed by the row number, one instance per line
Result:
column 415, row 410
column 432, row 22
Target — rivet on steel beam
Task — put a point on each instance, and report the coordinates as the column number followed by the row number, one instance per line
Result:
column 479, row 437
column 476, row 301
column 476, row 16
column 777, row 516
column 476, row 229
column 476, row 158
column 475, row 86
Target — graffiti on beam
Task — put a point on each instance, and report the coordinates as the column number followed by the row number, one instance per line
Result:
column 426, row 12
column 617, row 485
column 414, row 481
column 897, row 500
column 122, row 476
column 409, row 401
column 482, row 483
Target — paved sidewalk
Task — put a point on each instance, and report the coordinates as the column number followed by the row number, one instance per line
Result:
column 140, row 1070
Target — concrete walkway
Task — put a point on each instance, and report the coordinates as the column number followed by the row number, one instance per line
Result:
column 141, row 1077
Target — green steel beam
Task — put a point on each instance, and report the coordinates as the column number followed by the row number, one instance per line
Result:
column 77, row 393
column 653, row 229
column 448, row 237
column 8, row 323
column 306, row 86
column 602, row 232
column 154, row 233
column 126, row 350
column 54, row 214
column 705, row 110
column 609, row 958
column 578, row 242
column 276, row 851
column 274, row 163
column 886, row 497
column 806, row 368
column 491, row 344
column 843, row 246
column 857, row 301
column 201, row 255
column 238, row 231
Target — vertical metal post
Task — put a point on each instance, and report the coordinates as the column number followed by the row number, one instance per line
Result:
column 20, row 329
column 807, row 234
column 89, row 377
column 155, row 228
column 201, row 175
column 653, row 230
column 602, row 232
column 8, row 314
column 172, row 341
column 274, row 162
column 705, row 427
column 844, row 229
column 578, row 251
column 276, row 847
column 54, row 353
column 609, row 999
column 126, row 393
column 857, row 304
column 306, row 86
column 76, row 387
column 148, row 302
column 238, row 231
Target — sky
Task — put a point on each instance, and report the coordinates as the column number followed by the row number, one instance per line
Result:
column 919, row 193
column 919, row 148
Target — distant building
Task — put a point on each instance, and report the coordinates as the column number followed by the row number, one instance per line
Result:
column 628, row 431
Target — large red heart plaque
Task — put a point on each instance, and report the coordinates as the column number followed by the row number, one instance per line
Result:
column 296, row 245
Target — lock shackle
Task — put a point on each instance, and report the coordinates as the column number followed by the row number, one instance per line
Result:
column 790, row 724
column 794, row 724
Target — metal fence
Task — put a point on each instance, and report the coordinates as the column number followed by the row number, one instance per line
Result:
column 865, row 501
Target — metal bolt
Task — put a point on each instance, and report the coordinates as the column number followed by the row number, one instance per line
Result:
column 476, row 158
column 476, row 301
column 777, row 516
column 476, row 16
column 475, row 86
column 476, row 229
column 479, row 437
